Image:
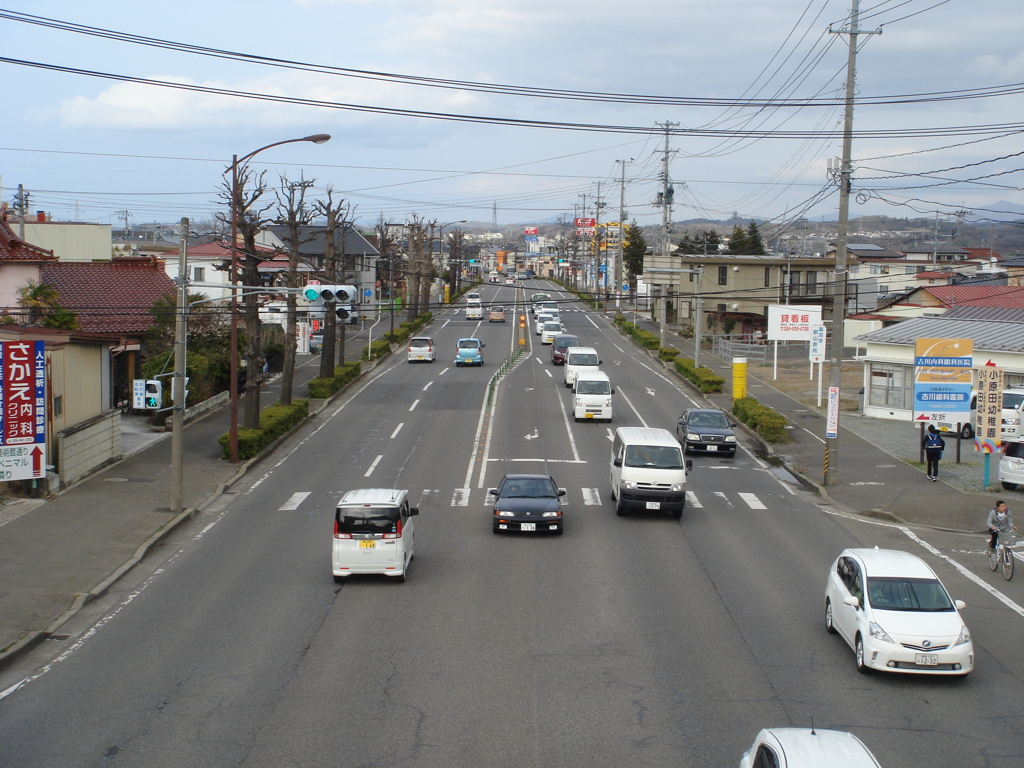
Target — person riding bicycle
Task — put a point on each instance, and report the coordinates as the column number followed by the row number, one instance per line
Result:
column 999, row 521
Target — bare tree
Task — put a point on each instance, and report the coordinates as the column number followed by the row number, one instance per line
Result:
column 428, row 271
column 338, row 218
column 416, row 267
column 456, row 244
column 252, row 219
column 293, row 215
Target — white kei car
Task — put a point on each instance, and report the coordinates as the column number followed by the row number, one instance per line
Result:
column 807, row 748
column 893, row 611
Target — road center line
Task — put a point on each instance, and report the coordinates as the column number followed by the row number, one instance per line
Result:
column 414, row 404
column 397, row 430
column 427, row 386
column 630, row 404
column 373, row 466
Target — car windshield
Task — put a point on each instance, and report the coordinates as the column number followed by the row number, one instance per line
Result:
column 893, row 593
column 529, row 488
column 469, row 344
column 657, row 456
column 1013, row 399
column 716, row 420
column 583, row 358
column 593, row 388
column 564, row 342
column 367, row 520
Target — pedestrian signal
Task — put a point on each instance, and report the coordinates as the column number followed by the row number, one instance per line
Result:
column 154, row 393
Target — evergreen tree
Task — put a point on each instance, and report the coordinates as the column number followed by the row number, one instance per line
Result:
column 634, row 247
column 754, row 244
column 738, row 240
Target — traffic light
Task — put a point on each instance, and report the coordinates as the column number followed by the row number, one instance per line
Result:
column 176, row 382
column 346, row 294
column 154, row 393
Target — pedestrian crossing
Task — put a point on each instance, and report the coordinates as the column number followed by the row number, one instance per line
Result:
column 432, row 498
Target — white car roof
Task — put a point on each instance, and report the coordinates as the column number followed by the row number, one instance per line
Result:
column 806, row 748
column 592, row 376
column 377, row 497
column 892, row 562
column 644, row 435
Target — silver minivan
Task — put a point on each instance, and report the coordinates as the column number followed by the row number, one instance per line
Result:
column 373, row 534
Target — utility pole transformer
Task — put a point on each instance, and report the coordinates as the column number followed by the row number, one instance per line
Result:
column 838, row 310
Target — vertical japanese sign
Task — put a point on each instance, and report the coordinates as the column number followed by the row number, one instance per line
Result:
column 988, row 427
column 942, row 379
column 816, row 350
column 22, row 410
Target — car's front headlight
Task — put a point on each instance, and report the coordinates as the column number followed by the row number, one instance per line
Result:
column 879, row 634
column 1011, row 422
column 554, row 513
column 676, row 487
column 730, row 438
column 965, row 636
column 629, row 485
column 693, row 436
column 579, row 403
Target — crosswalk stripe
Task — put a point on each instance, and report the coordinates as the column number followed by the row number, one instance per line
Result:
column 428, row 495
column 294, row 501
column 692, row 500
column 752, row 501
column 724, row 498
column 461, row 497
column 591, row 497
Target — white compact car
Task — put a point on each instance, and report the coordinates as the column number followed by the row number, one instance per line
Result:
column 422, row 348
column 893, row 611
column 374, row 532
column 549, row 330
column 807, row 748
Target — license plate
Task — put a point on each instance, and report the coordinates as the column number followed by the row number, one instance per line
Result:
column 528, row 527
column 367, row 544
column 654, row 505
column 927, row 659
column 589, row 415
column 712, row 447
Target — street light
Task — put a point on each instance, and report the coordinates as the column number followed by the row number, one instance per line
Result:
column 236, row 204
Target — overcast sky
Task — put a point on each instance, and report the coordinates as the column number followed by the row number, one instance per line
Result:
column 90, row 148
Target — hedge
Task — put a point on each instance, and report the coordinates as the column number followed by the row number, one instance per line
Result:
column 377, row 349
column 645, row 339
column 767, row 422
column 407, row 329
column 275, row 420
column 343, row 374
column 703, row 378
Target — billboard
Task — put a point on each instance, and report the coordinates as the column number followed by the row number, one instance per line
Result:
column 22, row 410
column 942, row 379
column 793, row 322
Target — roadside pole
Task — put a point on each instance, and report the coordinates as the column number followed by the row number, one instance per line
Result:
column 178, row 381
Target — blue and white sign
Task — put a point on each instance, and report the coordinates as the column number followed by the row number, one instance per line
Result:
column 942, row 379
column 817, row 349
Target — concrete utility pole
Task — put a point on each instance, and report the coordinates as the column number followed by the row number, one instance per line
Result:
column 619, row 253
column 831, row 460
column 178, row 380
column 666, row 221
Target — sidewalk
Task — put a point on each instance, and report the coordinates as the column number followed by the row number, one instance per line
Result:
column 57, row 555
column 872, row 481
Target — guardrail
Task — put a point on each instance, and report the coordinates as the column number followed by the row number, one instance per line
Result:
column 503, row 367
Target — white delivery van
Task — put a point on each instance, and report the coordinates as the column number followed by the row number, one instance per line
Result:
column 474, row 312
column 579, row 359
column 592, row 396
column 647, row 471
column 373, row 533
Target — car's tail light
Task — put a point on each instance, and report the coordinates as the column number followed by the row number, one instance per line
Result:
column 338, row 534
column 398, row 531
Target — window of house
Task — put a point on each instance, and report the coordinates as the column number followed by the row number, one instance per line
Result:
column 58, row 405
column 722, row 309
column 767, row 277
column 723, row 275
column 812, row 282
column 199, row 274
column 888, row 387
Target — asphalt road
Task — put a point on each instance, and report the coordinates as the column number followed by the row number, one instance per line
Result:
column 638, row 640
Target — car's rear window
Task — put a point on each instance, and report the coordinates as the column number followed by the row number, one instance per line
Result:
column 582, row 358
column 1015, row 450
column 419, row 343
column 367, row 519
column 552, row 326
column 901, row 594
column 469, row 344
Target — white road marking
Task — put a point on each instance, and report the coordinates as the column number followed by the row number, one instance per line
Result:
column 293, row 502
column 650, row 391
column 373, row 466
column 630, row 404
column 609, row 435
column 752, row 501
column 427, row 386
column 692, row 500
column 533, row 435
column 805, row 429
column 724, row 498
column 414, row 404
column 591, row 497
column 444, row 371
column 548, row 372
column 549, row 461
column 428, row 496
column 461, row 497
column 568, row 429
column 592, row 321
column 397, row 430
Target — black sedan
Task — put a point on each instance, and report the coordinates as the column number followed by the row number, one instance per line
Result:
column 707, row 430
column 528, row 503
column 561, row 343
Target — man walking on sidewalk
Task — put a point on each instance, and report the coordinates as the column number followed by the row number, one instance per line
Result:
column 933, row 447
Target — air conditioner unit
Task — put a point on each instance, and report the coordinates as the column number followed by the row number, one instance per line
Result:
column 735, row 306
column 735, row 269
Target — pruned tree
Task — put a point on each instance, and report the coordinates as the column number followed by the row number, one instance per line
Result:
column 42, row 302
column 338, row 217
column 294, row 215
column 252, row 218
column 414, row 277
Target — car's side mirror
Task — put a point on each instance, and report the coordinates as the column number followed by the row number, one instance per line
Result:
column 482, row 345
column 561, row 491
column 960, row 604
column 852, row 600
column 617, row 462
column 689, row 465
column 414, row 510
column 600, row 362
column 734, row 425
column 492, row 492
column 613, row 390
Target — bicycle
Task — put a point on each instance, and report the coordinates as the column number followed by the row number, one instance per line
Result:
column 1002, row 555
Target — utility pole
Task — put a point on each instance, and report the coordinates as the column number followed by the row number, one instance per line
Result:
column 666, row 220
column 22, row 204
column 831, row 459
column 178, row 380
column 619, row 254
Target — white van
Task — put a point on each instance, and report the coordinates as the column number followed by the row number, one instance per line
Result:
column 474, row 312
column 1012, row 410
column 592, row 396
column 373, row 533
column 648, row 471
column 579, row 359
